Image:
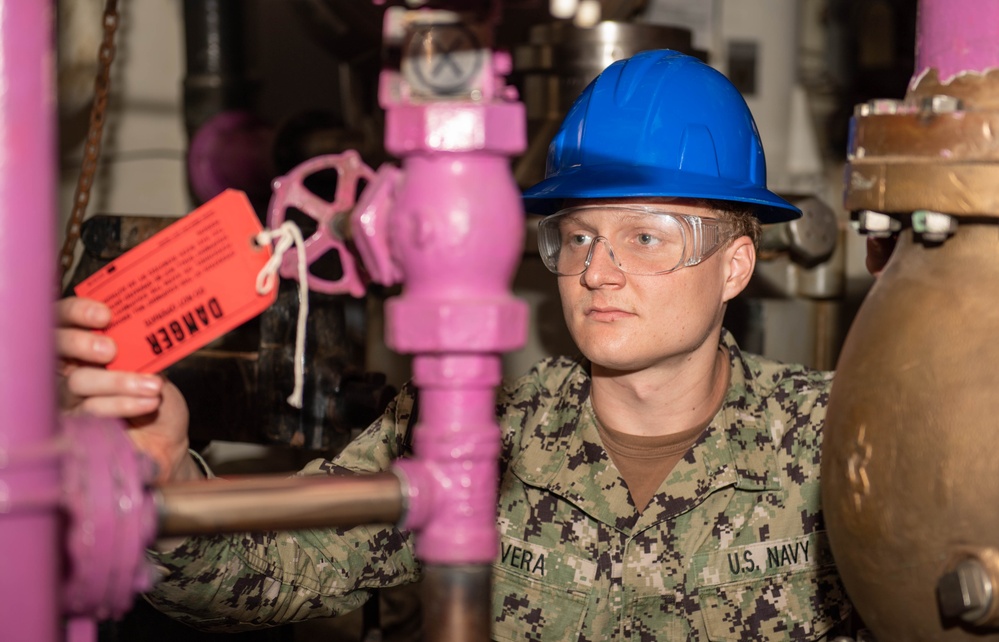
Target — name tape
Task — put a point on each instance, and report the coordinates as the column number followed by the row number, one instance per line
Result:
column 184, row 287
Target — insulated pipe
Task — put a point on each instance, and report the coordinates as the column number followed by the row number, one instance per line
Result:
column 29, row 474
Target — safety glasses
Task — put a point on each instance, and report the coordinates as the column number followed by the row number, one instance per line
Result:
column 641, row 240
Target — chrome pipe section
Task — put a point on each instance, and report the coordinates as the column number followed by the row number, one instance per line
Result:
column 278, row 503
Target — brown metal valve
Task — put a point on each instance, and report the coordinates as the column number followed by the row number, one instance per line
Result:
column 938, row 149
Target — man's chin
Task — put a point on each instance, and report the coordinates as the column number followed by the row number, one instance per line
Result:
column 609, row 360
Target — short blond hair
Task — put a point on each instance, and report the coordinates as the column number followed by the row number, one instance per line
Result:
column 743, row 220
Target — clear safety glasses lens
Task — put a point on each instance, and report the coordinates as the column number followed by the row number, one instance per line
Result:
column 640, row 240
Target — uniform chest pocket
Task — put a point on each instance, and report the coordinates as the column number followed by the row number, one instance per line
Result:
column 528, row 610
column 802, row 605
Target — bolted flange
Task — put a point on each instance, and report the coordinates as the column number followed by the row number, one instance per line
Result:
column 936, row 150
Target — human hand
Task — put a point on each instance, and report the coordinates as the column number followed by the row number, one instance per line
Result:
column 154, row 407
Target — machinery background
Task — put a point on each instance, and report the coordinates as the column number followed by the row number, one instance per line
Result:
column 210, row 93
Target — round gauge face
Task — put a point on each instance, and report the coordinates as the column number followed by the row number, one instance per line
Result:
column 444, row 59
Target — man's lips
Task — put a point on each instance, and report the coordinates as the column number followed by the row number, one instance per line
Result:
column 606, row 313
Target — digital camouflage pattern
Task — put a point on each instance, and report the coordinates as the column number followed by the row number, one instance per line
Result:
column 731, row 548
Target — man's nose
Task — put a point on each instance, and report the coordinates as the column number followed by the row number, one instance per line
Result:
column 601, row 266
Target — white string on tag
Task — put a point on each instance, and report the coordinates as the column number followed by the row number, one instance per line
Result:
column 286, row 235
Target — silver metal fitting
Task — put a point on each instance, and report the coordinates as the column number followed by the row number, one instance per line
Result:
column 941, row 104
column 966, row 592
column 877, row 224
column 935, row 227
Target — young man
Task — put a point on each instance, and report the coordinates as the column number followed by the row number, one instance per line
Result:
column 664, row 485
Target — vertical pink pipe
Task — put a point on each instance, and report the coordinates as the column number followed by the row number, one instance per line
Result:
column 29, row 605
column 459, row 235
column 954, row 36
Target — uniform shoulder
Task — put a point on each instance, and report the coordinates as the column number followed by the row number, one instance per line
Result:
column 791, row 399
column 545, row 378
column 770, row 375
column 530, row 404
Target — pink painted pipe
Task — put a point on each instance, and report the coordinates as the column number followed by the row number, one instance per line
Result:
column 457, row 233
column 955, row 36
column 29, row 473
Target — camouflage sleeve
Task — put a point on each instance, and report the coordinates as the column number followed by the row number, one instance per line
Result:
column 519, row 401
column 236, row 582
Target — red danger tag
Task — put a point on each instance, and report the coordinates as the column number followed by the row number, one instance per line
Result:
column 185, row 287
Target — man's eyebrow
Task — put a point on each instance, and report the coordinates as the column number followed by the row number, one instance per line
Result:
column 577, row 219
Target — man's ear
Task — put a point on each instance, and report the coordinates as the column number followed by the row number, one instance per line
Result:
column 740, row 261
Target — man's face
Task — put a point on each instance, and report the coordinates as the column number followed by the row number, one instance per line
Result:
column 625, row 322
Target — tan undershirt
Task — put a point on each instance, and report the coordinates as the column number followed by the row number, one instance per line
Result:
column 643, row 461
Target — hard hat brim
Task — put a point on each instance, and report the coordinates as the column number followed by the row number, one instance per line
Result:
column 636, row 181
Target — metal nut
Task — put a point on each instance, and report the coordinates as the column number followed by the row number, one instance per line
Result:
column 965, row 592
column 941, row 104
column 877, row 224
column 935, row 227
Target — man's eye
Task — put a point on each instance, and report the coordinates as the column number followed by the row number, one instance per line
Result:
column 578, row 239
column 647, row 240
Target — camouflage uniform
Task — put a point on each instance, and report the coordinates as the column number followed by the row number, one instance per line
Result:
column 731, row 548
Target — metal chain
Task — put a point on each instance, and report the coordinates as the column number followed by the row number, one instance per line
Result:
column 92, row 147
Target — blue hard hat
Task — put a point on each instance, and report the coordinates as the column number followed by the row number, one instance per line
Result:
column 660, row 123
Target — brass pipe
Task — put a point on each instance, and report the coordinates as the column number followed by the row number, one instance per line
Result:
column 457, row 605
column 278, row 503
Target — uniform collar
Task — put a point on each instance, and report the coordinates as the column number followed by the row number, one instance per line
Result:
column 736, row 449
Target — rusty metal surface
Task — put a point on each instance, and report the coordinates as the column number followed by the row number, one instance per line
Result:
column 456, row 603
column 278, row 503
column 909, row 480
column 937, row 150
